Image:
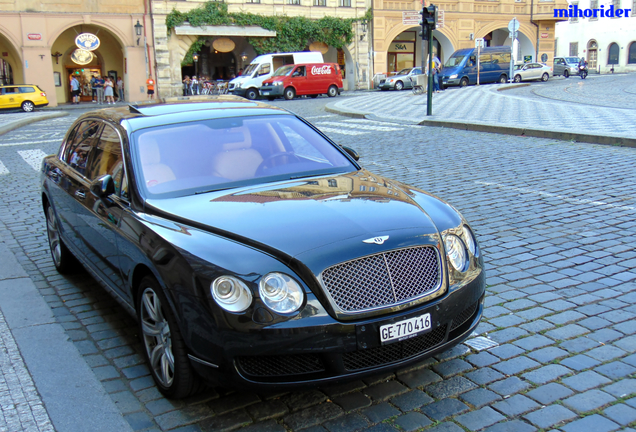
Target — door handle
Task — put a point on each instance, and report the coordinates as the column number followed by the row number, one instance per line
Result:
column 80, row 194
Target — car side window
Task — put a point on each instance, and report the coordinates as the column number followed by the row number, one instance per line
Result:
column 10, row 90
column 80, row 145
column 107, row 158
column 27, row 90
column 299, row 72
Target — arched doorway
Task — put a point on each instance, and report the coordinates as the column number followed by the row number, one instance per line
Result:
column 106, row 60
column 218, row 58
column 6, row 73
column 522, row 52
column 10, row 62
column 405, row 50
column 592, row 54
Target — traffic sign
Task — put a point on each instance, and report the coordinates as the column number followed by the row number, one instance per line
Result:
column 440, row 19
column 513, row 25
column 411, row 17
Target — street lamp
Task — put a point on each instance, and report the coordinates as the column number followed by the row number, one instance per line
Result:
column 138, row 29
column 195, row 57
column 364, row 25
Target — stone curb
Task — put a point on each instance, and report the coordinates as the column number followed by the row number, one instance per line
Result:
column 331, row 107
column 510, row 87
column 25, row 121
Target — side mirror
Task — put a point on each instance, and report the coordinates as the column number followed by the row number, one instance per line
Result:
column 351, row 152
column 103, row 186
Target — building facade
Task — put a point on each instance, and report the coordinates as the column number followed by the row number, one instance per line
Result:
column 607, row 43
column 397, row 44
column 38, row 44
column 226, row 48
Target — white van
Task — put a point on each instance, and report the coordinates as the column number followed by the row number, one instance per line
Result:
column 263, row 67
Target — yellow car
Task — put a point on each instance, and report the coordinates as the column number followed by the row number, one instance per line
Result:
column 24, row 96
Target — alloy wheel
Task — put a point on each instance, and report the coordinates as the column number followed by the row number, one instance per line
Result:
column 54, row 237
column 28, row 106
column 157, row 338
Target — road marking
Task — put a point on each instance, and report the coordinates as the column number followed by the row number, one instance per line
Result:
column 320, row 116
column 342, row 132
column 561, row 197
column 3, row 169
column 363, row 121
column 33, row 157
column 29, row 142
column 357, row 126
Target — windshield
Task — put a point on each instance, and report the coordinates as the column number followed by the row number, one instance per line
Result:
column 519, row 66
column 203, row 156
column 455, row 60
column 283, row 70
column 251, row 68
column 404, row 71
column 572, row 59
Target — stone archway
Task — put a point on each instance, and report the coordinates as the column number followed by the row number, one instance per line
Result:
column 11, row 63
column 498, row 35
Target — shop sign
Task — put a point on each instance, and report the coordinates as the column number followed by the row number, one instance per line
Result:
column 34, row 36
column 82, row 57
column 341, row 57
column 87, row 41
column 320, row 47
column 321, row 70
column 223, row 45
column 411, row 17
column 401, row 47
column 544, row 35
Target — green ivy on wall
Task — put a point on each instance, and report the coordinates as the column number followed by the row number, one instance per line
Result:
column 292, row 33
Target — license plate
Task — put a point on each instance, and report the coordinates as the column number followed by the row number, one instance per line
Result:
column 265, row 93
column 405, row 329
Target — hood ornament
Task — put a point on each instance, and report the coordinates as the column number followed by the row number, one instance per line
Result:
column 376, row 240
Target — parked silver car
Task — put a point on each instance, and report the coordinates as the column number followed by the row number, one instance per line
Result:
column 532, row 71
column 566, row 66
column 406, row 78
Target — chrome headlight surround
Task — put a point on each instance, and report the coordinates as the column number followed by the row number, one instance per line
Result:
column 456, row 252
column 469, row 239
column 281, row 293
column 231, row 294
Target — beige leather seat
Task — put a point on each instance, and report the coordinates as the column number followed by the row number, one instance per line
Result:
column 237, row 161
column 154, row 171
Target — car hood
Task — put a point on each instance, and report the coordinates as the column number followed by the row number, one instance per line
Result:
column 293, row 217
column 448, row 70
column 397, row 76
column 240, row 79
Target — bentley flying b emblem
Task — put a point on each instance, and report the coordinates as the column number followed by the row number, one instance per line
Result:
column 376, row 240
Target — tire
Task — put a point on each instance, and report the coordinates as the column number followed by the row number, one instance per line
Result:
column 566, row 74
column 503, row 79
column 463, row 82
column 545, row 77
column 290, row 93
column 28, row 106
column 399, row 86
column 517, row 78
column 251, row 94
column 333, row 91
column 164, row 348
column 313, row 96
column 63, row 259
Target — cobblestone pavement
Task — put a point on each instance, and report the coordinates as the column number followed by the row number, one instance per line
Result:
column 6, row 118
column 600, row 105
column 556, row 225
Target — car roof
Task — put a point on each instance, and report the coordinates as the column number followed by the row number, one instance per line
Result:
column 184, row 109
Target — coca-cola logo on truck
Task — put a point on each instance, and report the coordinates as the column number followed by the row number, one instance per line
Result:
column 321, row 70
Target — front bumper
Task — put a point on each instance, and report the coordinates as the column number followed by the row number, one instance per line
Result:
column 321, row 350
column 272, row 91
column 387, row 86
column 237, row 91
column 450, row 82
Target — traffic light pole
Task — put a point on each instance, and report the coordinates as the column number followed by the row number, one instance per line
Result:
column 429, row 93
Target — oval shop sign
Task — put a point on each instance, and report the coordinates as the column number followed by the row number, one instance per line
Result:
column 87, row 41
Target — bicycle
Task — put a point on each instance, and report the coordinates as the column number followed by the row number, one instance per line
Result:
column 418, row 89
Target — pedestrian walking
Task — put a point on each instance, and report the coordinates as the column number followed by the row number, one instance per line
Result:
column 186, row 85
column 94, row 88
column 194, row 85
column 75, row 90
column 120, row 89
column 108, row 91
column 100, row 89
column 150, row 83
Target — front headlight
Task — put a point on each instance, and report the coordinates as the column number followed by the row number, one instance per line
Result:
column 280, row 293
column 231, row 294
column 453, row 76
column 238, row 85
column 278, row 83
column 456, row 252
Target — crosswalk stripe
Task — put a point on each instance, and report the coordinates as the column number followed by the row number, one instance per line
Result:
column 3, row 169
column 341, row 131
column 364, row 121
column 33, row 157
column 357, row 126
column 29, row 142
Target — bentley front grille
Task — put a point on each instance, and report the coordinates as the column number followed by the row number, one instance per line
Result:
column 384, row 279
column 281, row 365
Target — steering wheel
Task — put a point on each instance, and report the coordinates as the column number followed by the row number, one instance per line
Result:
column 270, row 161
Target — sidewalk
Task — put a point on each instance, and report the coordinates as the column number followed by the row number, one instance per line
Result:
column 12, row 121
column 598, row 110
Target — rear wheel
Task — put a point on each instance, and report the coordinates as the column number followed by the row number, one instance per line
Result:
column 28, row 106
column 502, row 79
column 545, row 77
column 290, row 93
column 566, row 74
column 463, row 82
column 63, row 259
column 399, row 85
column 517, row 78
column 251, row 94
column 333, row 91
column 164, row 350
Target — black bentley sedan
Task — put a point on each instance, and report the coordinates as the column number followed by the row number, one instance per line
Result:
column 253, row 250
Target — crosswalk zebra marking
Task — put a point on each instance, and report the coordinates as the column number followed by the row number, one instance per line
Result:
column 342, row 132
column 10, row 144
column 368, row 127
column 364, row 121
column 33, row 157
column 3, row 169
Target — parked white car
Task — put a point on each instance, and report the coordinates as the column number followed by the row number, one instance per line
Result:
column 532, row 71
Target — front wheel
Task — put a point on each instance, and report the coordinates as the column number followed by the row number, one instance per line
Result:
column 251, row 94
column 517, row 78
column 28, row 106
column 566, row 74
column 333, row 91
column 583, row 75
column 399, row 85
column 503, row 79
column 463, row 82
column 290, row 93
column 545, row 77
column 63, row 260
column 164, row 350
